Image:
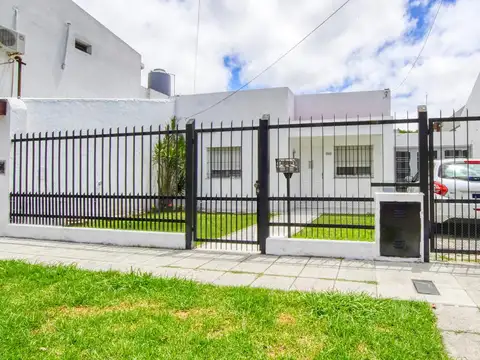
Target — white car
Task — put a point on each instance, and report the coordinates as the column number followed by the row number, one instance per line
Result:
column 457, row 181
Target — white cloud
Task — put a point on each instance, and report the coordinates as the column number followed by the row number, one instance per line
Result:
column 164, row 32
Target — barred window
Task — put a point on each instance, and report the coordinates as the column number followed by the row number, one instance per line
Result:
column 402, row 164
column 354, row 161
column 225, row 162
column 453, row 154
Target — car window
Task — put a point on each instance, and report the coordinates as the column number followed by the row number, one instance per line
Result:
column 460, row 171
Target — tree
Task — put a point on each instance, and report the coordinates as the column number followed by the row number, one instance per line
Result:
column 169, row 157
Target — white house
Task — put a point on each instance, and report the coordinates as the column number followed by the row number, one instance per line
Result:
column 457, row 139
column 68, row 54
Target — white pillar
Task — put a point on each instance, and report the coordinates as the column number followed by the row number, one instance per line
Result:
column 15, row 111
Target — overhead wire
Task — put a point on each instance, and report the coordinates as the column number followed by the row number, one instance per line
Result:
column 272, row 64
column 424, row 44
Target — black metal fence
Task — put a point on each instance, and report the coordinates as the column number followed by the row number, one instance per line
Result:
column 129, row 179
column 454, row 158
column 219, row 183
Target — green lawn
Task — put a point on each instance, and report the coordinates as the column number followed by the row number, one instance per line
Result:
column 65, row 313
column 210, row 226
column 339, row 233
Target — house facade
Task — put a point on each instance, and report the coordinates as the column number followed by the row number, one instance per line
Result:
column 68, row 54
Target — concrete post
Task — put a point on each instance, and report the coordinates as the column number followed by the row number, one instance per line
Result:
column 15, row 111
column 4, row 165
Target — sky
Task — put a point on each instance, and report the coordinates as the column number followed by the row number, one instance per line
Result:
column 368, row 45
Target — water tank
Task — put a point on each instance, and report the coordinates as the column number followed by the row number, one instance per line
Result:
column 159, row 80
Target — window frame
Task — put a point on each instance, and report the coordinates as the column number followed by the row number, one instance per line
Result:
column 358, row 162
column 235, row 159
column 83, row 46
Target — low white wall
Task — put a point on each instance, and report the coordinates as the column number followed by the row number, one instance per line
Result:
column 322, row 248
column 98, row 236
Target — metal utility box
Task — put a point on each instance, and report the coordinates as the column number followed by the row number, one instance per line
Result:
column 399, row 230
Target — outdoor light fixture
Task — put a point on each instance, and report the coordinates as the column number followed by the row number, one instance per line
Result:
column 288, row 167
column 265, row 117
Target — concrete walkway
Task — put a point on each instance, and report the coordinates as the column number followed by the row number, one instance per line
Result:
column 459, row 285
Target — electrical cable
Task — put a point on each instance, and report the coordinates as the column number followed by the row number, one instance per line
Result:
column 424, row 45
column 272, row 64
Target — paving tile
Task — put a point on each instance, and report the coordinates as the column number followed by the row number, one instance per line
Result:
column 469, row 282
column 356, row 274
column 399, row 291
column 475, row 296
column 284, row 270
column 224, row 265
column 190, row 263
column 292, row 260
column 273, row 282
column 182, row 253
column 167, row 272
column 204, row 276
column 458, row 318
column 252, row 267
column 309, row 284
column 233, row 257
column 358, row 264
column 439, row 279
column 93, row 265
column 319, row 272
column 450, row 297
column 474, row 271
column 355, row 287
column 163, row 260
column 325, row 262
column 392, row 265
column 462, row 346
column 13, row 256
column 263, row 258
column 386, row 277
column 232, row 279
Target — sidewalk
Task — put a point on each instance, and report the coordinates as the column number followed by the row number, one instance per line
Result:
column 458, row 284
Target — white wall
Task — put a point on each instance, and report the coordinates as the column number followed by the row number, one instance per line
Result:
column 341, row 105
column 245, row 108
column 113, row 70
column 114, row 165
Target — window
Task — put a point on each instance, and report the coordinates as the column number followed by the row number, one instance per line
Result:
column 402, row 165
column 225, row 162
column 435, row 154
column 452, row 154
column 459, row 171
column 354, row 161
column 83, row 46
